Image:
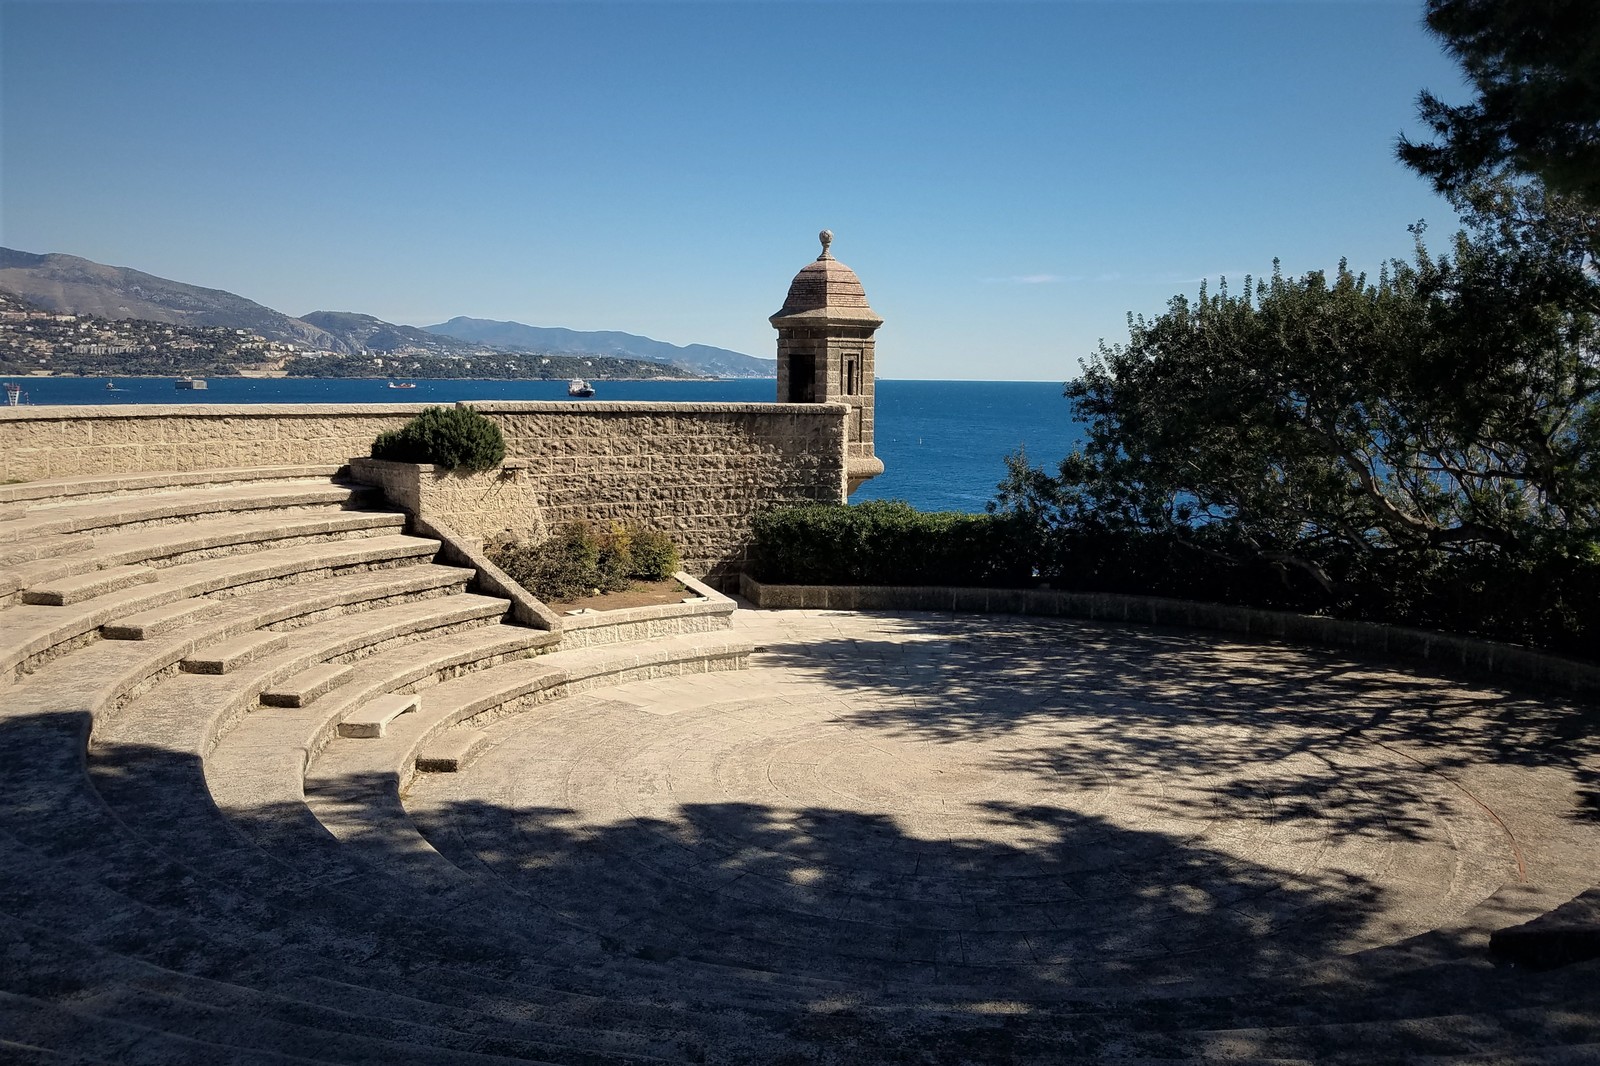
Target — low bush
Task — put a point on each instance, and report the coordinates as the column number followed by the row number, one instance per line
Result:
column 888, row 542
column 457, row 438
column 1550, row 602
column 576, row 560
column 655, row 557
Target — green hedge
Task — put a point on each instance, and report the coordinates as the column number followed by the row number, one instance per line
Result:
column 1551, row 603
column 458, row 438
column 888, row 542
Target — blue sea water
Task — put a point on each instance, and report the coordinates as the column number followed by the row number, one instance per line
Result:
column 942, row 443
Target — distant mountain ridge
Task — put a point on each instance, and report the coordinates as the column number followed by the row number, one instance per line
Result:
column 368, row 334
column 68, row 284
column 719, row 362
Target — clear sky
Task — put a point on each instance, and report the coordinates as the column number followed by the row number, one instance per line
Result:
column 1008, row 179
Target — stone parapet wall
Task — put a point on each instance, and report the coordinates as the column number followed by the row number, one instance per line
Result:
column 1445, row 650
column 59, row 442
column 698, row 471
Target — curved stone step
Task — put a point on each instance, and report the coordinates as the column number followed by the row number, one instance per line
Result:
column 55, row 490
column 189, row 711
column 77, row 516
column 28, row 633
column 277, row 606
column 88, row 586
column 320, row 912
column 195, row 920
column 260, row 766
column 350, row 780
column 189, row 541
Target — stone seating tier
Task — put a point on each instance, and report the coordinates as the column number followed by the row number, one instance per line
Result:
column 892, row 839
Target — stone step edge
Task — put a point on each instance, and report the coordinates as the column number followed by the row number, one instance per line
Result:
column 229, row 572
column 307, row 685
column 107, row 484
column 19, row 530
column 186, row 538
column 555, row 676
column 229, row 655
column 1560, row 937
column 321, row 721
column 157, row 621
column 449, row 751
column 243, row 696
column 89, row 586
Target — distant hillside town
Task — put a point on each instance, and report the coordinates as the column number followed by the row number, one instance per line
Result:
column 35, row 341
column 60, row 314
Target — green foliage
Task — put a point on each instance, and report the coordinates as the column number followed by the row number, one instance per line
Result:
column 888, row 542
column 655, row 557
column 457, row 438
column 1423, row 448
column 576, row 560
column 1537, row 112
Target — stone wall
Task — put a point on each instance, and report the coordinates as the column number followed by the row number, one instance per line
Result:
column 1446, row 650
column 483, row 505
column 58, row 442
column 698, row 471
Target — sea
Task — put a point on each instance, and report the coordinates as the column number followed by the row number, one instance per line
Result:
column 943, row 443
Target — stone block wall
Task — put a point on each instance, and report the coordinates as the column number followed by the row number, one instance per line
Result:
column 58, row 442
column 699, row 471
column 483, row 505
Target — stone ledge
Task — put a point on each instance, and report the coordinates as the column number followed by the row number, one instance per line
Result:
column 1499, row 661
column 75, row 412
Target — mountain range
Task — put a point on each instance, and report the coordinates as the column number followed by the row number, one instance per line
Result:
column 68, row 284
column 718, row 362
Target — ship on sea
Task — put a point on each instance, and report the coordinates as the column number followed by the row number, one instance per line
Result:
column 189, row 383
column 580, row 388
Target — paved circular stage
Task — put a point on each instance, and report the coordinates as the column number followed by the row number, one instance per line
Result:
column 1030, row 808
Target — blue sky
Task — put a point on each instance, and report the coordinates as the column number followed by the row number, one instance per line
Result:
column 1009, row 179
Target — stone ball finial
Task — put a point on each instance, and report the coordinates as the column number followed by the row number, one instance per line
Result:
column 826, row 237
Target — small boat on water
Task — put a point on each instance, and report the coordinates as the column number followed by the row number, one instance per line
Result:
column 111, row 386
column 402, row 384
column 189, row 383
column 580, row 388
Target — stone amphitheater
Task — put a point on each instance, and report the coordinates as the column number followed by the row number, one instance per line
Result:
column 294, row 775
column 281, row 787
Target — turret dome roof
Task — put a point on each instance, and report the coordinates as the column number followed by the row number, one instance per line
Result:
column 826, row 290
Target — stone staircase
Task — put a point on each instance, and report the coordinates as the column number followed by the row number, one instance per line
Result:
column 218, row 690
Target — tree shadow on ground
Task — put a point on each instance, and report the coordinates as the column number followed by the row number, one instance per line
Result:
column 1143, row 700
column 763, row 934
column 817, row 932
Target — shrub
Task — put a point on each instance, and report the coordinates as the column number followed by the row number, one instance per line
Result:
column 575, row 560
column 655, row 557
column 457, row 438
column 888, row 542
column 560, row 567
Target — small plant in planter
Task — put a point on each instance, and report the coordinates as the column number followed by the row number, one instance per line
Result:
column 576, row 561
column 457, row 438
